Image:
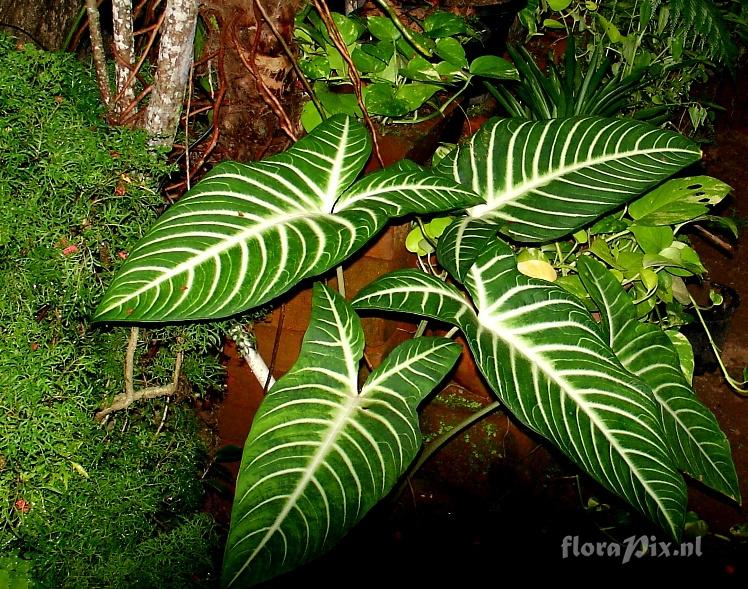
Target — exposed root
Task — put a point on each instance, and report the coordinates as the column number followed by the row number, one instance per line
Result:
column 130, row 396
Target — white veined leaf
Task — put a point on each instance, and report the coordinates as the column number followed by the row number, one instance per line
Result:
column 701, row 449
column 545, row 358
column 321, row 453
column 247, row 233
column 462, row 242
column 542, row 180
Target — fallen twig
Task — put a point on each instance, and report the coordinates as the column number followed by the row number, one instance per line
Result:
column 714, row 239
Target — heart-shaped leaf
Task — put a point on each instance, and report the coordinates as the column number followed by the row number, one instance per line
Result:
column 247, row 233
column 380, row 99
column 321, row 453
column 382, row 28
column 452, row 51
column 652, row 239
column 445, row 24
column 492, row 66
column 349, row 29
column 544, row 357
column 421, row 70
column 414, row 95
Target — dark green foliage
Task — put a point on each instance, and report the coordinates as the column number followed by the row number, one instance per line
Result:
column 87, row 506
column 680, row 44
column 569, row 90
column 701, row 24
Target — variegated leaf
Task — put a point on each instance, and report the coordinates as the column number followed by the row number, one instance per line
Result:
column 320, row 453
column 247, row 233
column 700, row 448
column 542, row 180
column 461, row 244
column 544, row 356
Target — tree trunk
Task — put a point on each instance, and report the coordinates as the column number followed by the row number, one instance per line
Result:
column 45, row 22
column 124, row 48
column 97, row 50
column 173, row 71
column 249, row 127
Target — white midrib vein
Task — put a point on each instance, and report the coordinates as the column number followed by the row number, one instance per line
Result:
column 627, row 361
column 675, row 416
column 205, row 255
column 341, row 419
column 526, row 351
column 615, row 331
column 495, row 199
column 333, row 184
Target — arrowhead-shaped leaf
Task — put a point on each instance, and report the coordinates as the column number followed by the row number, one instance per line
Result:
column 545, row 358
column 701, row 449
column 320, row 453
column 247, row 233
column 543, row 180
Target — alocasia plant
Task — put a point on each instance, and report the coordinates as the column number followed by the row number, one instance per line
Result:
column 610, row 395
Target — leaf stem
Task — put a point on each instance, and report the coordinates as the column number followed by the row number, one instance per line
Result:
column 441, row 440
column 734, row 384
column 258, row 367
column 616, row 236
column 341, row 280
column 404, row 31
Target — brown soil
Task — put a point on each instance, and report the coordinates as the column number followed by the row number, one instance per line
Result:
column 726, row 160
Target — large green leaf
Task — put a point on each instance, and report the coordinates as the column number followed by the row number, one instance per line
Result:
column 247, row 233
column 543, row 180
column 545, row 358
column 320, row 453
column 694, row 436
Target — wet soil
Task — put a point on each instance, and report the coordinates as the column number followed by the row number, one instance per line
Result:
column 496, row 504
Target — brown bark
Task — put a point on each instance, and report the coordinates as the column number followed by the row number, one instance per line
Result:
column 249, row 127
column 45, row 21
column 97, row 50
